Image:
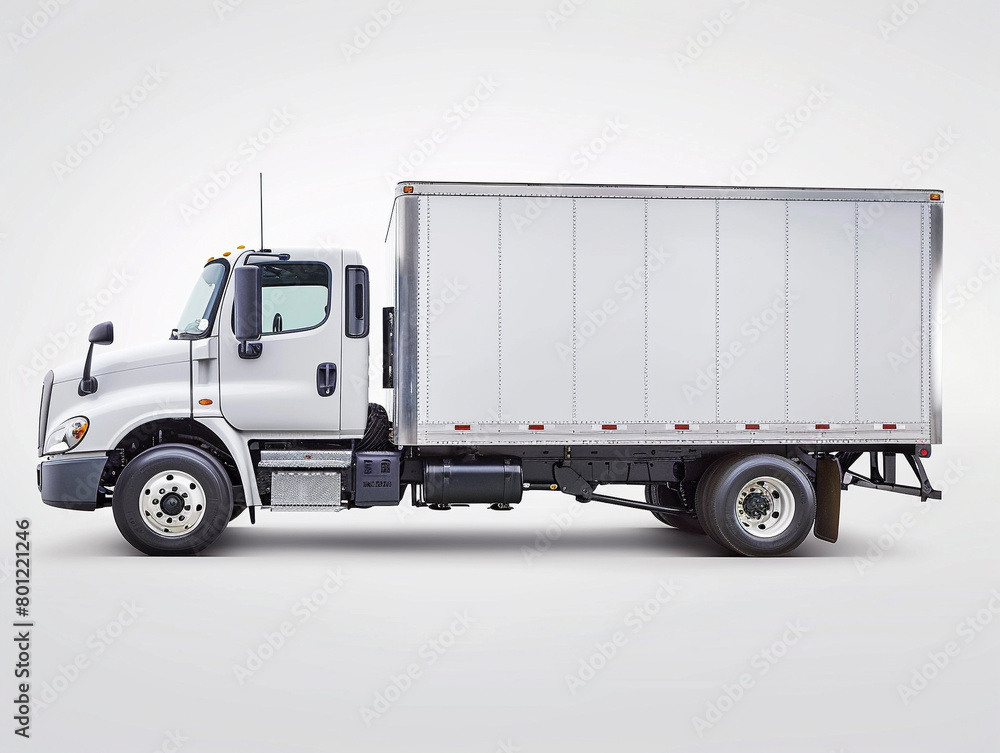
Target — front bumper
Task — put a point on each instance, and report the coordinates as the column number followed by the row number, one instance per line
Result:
column 72, row 483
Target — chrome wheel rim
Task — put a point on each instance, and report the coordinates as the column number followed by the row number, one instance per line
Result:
column 765, row 507
column 172, row 504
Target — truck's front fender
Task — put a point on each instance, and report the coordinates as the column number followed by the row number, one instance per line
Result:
column 124, row 400
column 235, row 443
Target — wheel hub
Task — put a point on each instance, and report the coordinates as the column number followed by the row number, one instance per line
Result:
column 765, row 507
column 172, row 503
column 757, row 505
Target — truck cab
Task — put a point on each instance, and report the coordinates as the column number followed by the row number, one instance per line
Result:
column 205, row 400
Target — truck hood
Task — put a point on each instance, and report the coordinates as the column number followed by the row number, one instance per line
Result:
column 109, row 359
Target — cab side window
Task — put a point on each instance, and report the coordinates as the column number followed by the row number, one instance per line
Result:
column 295, row 296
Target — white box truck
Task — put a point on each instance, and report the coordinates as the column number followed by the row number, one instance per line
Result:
column 736, row 352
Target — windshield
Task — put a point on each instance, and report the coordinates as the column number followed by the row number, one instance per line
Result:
column 196, row 318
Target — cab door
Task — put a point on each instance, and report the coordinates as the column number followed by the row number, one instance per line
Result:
column 295, row 384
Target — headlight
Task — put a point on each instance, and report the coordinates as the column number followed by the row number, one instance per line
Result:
column 67, row 435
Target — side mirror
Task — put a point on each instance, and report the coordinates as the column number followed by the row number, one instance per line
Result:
column 247, row 310
column 101, row 334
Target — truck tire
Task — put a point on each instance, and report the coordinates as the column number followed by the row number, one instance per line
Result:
column 172, row 500
column 756, row 505
column 376, row 438
column 661, row 494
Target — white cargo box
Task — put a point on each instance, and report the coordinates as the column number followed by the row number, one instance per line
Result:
column 567, row 314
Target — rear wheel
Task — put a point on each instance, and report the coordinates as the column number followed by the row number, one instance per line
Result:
column 663, row 495
column 173, row 499
column 376, row 437
column 756, row 505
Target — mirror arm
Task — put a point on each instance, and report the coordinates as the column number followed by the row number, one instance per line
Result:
column 88, row 384
column 280, row 257
column 250, row 350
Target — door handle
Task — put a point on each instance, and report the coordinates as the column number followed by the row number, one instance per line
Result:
column 326, row 379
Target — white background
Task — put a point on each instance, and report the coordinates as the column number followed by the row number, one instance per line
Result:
column 908, row 98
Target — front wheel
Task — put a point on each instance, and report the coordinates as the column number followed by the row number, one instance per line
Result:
column 756, row 505
column 173, row 499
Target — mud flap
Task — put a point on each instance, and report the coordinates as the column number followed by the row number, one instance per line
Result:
column 828, row 477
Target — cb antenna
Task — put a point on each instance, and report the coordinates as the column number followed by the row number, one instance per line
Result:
column 261, row 211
